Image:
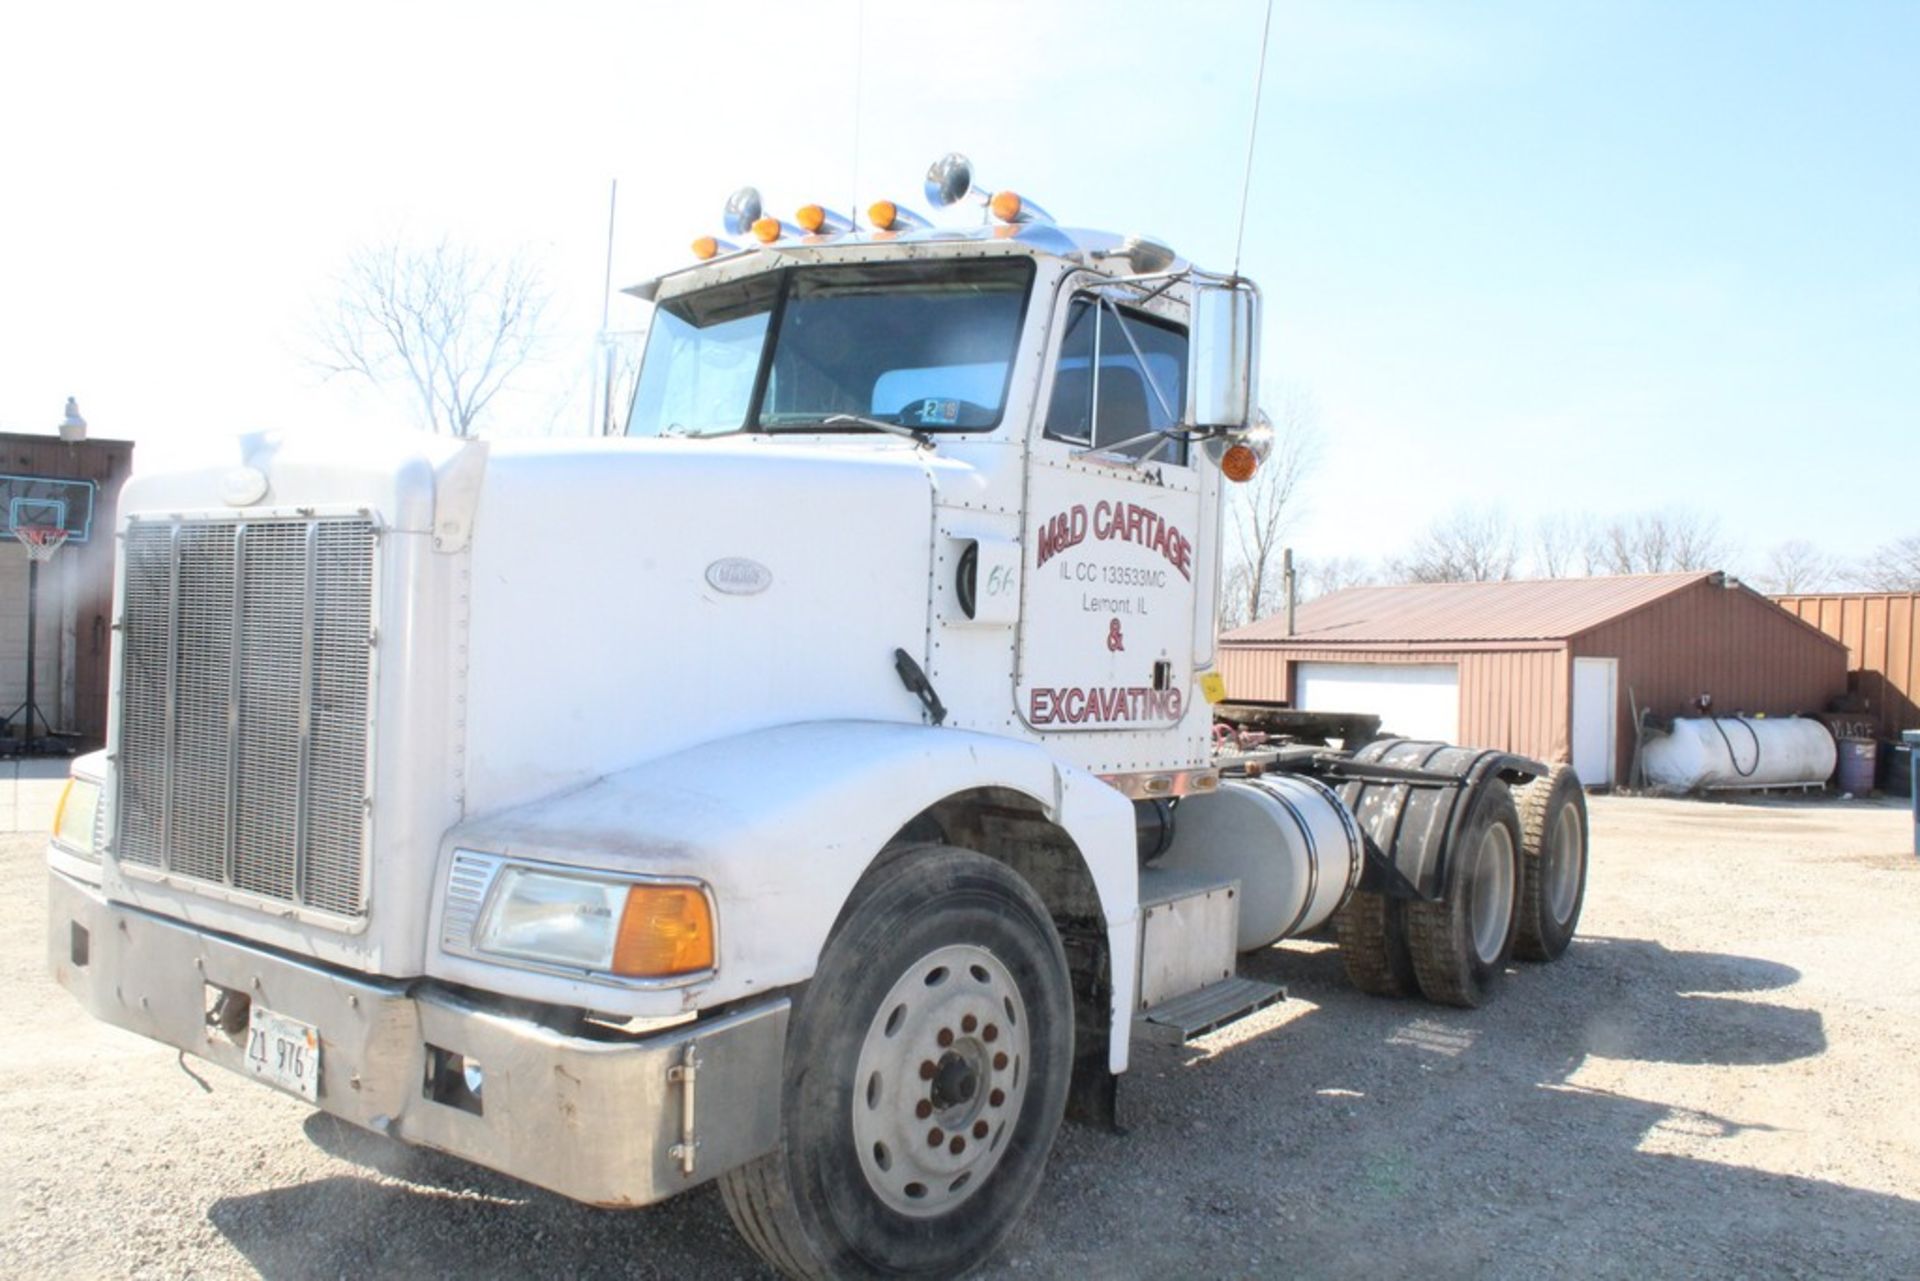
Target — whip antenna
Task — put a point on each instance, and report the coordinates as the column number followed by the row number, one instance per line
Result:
column 1253, row 131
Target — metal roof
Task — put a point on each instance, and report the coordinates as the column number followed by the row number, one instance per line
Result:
column 1426, row 613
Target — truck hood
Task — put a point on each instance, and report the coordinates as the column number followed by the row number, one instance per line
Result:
column 625, row 599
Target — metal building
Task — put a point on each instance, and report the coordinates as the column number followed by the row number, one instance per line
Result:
column 71, row 640
column 1548, row 667
column 1881, row 631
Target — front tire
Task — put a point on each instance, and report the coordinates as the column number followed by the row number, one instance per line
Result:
column 927, row 1068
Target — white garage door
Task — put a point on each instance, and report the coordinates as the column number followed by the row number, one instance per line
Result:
column 1413, row 700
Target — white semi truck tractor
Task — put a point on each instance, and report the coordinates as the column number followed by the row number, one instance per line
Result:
column 813, row 789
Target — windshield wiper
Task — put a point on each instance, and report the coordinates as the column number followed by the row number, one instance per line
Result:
column 921, row 438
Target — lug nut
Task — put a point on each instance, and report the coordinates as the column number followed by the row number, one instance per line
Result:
column 945, row 1038
column 997, row 1098
column 990, row 1033
column 979, row 1129
column 927, row 1069
column 923, row 1109
column 969, row 1023
column 958, row 1145
column 935, row 1137
column 1000, row 1061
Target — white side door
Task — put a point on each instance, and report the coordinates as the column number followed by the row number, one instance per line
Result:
column 1596, row 717
column 1106, row 644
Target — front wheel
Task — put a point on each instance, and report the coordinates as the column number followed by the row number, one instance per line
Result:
column 927, row 1067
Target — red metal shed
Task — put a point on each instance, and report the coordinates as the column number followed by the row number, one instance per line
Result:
column 1546, row 667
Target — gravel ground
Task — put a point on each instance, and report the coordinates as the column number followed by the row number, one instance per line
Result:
column 1717, row 1080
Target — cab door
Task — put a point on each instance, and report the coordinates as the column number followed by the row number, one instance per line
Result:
column 1116, row 565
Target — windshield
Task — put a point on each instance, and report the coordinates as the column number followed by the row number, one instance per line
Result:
column 924, row 345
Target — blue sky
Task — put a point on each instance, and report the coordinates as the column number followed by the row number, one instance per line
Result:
column 1601, row 257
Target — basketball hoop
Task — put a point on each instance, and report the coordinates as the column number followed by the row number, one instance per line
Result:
column 41, row 541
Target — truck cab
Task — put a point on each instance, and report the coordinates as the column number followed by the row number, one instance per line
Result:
column 813, row 788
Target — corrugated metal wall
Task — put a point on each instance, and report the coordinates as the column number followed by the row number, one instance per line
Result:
column 1726, row 641
column 1513, row 699
column 1881, row 631
column 76, row 587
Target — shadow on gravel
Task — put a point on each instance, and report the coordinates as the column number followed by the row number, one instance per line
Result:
column 1379, row 1138
column 470, row 1223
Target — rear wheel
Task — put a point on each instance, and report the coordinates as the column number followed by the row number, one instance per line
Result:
column 1460, row 943
column 1372, row 932
column 926, row 1073
column 1553, row 836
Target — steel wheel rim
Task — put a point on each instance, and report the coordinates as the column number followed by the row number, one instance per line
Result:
column 940, row 1080
column 1490, row 909
column 1565, row 855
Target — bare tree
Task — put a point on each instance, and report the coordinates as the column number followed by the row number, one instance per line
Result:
column 1262, row 512
column 1670, row 540
column 1319, row 578
column 1894, row 566
column 1563, row 545
column 445, row 322
column 1472, row 545
column 1798, row 566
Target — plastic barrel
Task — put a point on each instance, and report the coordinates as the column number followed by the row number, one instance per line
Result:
column 1857, row 759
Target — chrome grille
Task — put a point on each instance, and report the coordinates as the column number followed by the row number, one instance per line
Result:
column 243, row 718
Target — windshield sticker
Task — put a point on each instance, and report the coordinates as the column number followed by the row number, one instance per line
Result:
column 940, row 411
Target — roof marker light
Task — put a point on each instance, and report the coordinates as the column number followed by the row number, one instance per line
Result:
column 818, row 220
column 885, row 215
column 766, row 230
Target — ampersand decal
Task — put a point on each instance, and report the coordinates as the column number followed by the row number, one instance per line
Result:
column 1115, row 642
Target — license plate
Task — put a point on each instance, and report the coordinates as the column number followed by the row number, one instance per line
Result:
column 285, row 1052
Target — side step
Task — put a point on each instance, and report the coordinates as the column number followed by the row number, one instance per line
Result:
column 1186, row 1018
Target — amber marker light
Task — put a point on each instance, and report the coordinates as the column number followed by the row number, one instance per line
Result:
column 705, row 247
column 766, row 230
column 882, row 214
column 664, row 930
column 810, row 218
column 1005, row 205
column 60, row 806
column 1239, row 463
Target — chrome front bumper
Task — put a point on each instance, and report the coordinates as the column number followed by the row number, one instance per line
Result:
column 601, row 1121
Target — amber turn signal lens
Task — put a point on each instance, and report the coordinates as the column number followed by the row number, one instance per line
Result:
column 1005, row 205
column 810, row 218
column 664, row 930
column 1239, row 463
column 883, row 214
column 705, row 247
column 766, row 230
column 60, row 806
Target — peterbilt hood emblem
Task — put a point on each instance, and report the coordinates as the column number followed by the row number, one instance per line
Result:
column 738, row 576
column 243, row 486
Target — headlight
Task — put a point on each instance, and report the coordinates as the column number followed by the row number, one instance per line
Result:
column 73, row 817
column 635, row 929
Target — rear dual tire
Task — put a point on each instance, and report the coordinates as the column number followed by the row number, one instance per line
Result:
column 1460, row 945
column 1553, row 836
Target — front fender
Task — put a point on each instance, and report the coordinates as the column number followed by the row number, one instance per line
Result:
column 782, row 823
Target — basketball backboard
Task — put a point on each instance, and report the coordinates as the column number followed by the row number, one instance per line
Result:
column 47, row 500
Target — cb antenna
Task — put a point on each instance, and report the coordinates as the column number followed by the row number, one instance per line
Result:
column 1253, row 132
column 859, row 75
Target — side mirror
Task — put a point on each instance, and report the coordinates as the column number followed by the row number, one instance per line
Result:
column 1223, row 345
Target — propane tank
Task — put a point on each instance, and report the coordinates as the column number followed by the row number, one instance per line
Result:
column 1723, row 752
column 1286, row 838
